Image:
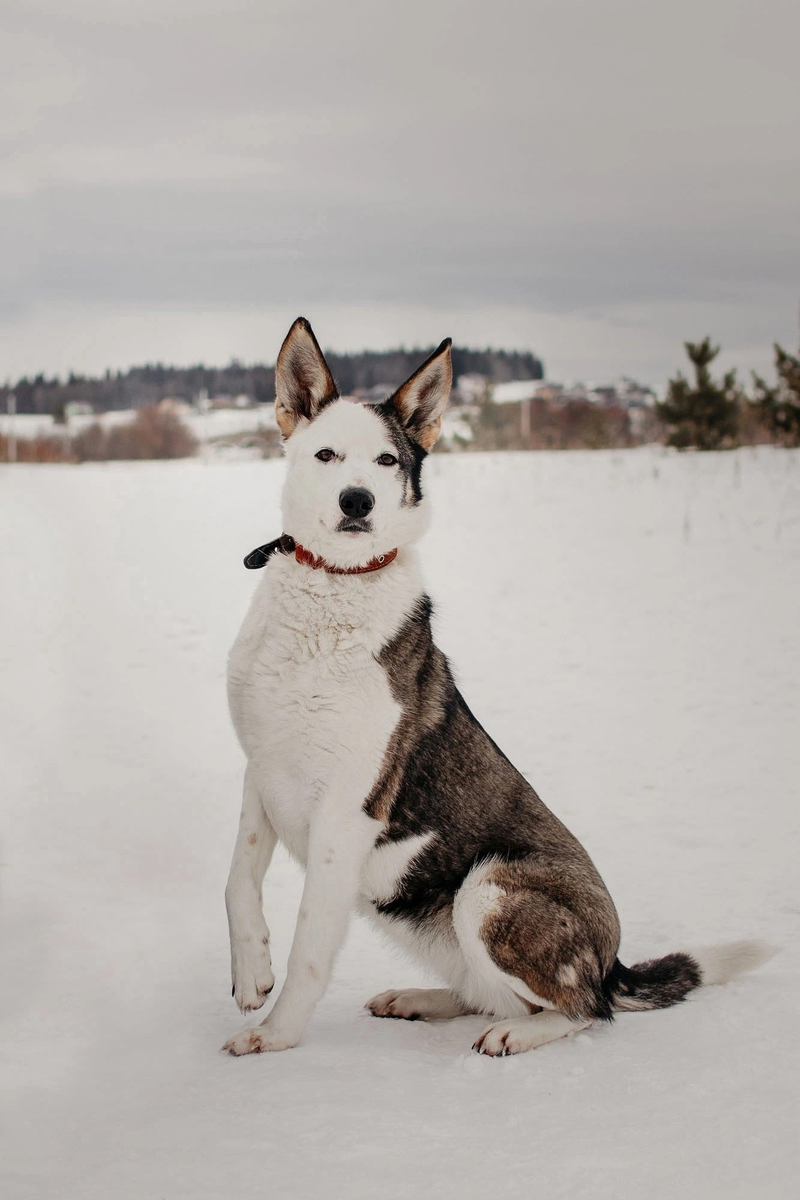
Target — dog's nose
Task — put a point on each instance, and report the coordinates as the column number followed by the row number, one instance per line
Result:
column 356, row 502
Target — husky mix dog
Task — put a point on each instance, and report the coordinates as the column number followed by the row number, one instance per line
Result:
column 365, row 761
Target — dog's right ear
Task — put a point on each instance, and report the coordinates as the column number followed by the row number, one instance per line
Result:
column 303, row 382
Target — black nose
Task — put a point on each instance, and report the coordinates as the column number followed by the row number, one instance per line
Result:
column 356, row 502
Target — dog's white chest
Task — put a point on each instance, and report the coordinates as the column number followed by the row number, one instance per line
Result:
column 310, row 702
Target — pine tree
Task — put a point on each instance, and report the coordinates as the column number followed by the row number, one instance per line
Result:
column 779, row 406
column 704, row 414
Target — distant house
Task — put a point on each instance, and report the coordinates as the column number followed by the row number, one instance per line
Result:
column 471, row 389
column 204, row 403
column 525, row 389
column 576, row 391
column 621, row 393
column 634, row 395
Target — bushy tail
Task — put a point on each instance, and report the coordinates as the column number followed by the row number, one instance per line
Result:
column 665, row 981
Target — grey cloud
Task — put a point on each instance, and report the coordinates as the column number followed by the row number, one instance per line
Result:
column 561, row 156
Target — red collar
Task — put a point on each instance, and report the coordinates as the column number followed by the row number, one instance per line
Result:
column 318, row 563
column 287, row 545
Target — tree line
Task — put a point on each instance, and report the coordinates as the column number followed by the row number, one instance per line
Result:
column 145, row 386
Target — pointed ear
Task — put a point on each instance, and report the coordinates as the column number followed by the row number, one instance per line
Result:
column 422, row 399
column 303, row 382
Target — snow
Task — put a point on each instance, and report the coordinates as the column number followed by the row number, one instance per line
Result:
column 625, row 624
column 215, row 423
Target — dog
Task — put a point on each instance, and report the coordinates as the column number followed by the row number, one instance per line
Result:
column 364, row 760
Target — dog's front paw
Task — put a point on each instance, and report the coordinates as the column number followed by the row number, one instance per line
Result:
column 260, row 1040
column 251, row 971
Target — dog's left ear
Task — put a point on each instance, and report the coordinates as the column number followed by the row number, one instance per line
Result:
column 303, row 382
column 422, row 399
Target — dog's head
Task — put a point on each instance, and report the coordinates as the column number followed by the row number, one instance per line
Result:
column 353, row 488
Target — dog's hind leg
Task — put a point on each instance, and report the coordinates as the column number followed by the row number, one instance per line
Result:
column 534, row 940
column 419, row 1004
column 251, row 968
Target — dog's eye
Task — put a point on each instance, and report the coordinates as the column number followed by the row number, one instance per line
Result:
column 387, row 460
column 325, row 455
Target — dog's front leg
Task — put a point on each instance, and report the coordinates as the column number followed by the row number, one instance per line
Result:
column 251, row 968
column 340, row 838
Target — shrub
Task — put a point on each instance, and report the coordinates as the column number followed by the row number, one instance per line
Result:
column 152, row 433
column 39, row 449
column 778, row 407
column 91, row 444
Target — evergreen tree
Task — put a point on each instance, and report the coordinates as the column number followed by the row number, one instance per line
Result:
column 704, row 414
column 779, row 406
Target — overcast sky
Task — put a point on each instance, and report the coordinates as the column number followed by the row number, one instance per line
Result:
column 595, row 181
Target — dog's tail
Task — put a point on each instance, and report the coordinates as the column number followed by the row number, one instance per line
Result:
column 662, row 982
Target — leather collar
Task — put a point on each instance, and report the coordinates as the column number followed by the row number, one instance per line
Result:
column 287, row 545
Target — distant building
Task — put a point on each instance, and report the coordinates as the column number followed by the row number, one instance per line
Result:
column 634, row 395
column 472, row 388
column 525, row 389
column 622, row 393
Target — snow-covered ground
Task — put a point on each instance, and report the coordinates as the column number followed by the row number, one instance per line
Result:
column 625, row 624
column 216, row 423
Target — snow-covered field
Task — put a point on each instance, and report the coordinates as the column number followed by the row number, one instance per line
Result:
column 625, row 624
column 216, row 423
